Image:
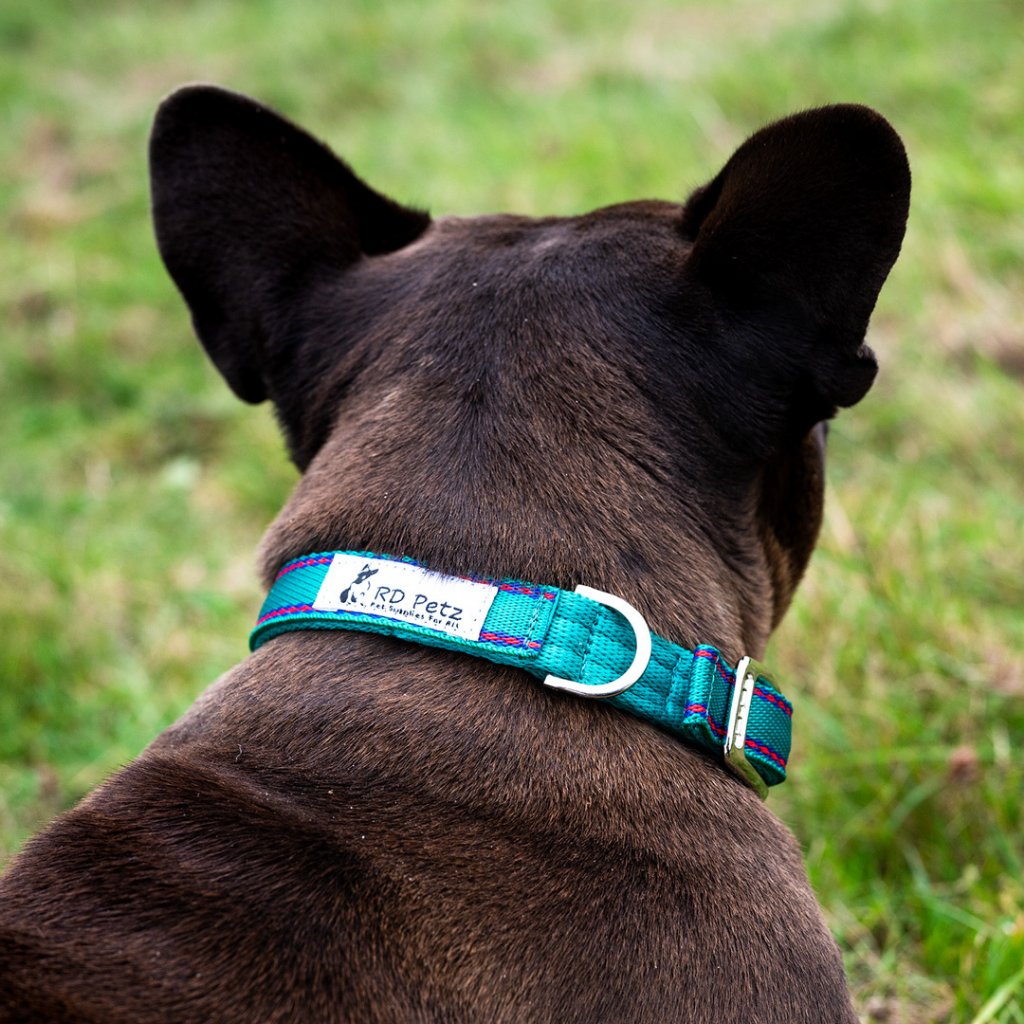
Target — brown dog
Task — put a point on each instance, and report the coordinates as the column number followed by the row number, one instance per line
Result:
column 351, row 827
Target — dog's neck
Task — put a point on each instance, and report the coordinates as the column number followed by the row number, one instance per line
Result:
column 599, row 521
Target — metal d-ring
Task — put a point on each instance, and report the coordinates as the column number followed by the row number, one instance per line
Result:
column 641, row 659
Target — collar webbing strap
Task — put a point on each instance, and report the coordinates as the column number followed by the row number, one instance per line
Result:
column 548, row 632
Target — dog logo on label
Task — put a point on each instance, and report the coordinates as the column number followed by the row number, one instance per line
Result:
column 355, row 592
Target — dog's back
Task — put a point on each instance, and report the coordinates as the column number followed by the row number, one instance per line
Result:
column 395, row 835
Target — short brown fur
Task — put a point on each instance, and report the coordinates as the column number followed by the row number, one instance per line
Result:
column 346, row 827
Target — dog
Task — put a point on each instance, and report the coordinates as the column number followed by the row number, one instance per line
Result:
column 359, row 824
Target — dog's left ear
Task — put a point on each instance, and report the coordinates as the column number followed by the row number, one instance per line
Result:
column 794, row 238
column 250, row 212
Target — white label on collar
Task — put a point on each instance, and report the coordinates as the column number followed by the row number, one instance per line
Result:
column 405, row 593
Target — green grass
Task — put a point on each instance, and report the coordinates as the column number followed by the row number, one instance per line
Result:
column 134, row 489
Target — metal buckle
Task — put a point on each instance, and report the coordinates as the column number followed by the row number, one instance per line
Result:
column 747, row 672
column 641, row 659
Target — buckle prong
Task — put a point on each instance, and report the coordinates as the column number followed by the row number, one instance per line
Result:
column 641, row 659
column 747, row 672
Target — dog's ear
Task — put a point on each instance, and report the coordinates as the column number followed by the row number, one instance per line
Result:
column 794, row 238
column 249, row 212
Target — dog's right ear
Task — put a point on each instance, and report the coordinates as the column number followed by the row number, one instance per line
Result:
column 250, row 211
column 794, row 238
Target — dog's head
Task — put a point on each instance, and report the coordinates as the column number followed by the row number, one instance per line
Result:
column 611, row 393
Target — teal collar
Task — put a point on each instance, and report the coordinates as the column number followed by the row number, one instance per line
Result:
column 583, row 641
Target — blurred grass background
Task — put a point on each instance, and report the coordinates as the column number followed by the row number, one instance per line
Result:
column 134, row 488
